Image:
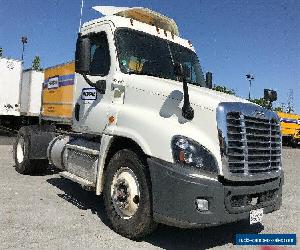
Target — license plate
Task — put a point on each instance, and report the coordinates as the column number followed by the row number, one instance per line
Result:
column 256, row 216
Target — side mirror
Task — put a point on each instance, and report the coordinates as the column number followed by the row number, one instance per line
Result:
column 208, row 80
column 270, row 95
column 83, row 55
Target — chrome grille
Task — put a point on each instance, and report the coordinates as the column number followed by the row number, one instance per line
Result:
column 253, row 144
column 250, row 142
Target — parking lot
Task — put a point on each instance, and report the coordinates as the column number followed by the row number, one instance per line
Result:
column 50, row 212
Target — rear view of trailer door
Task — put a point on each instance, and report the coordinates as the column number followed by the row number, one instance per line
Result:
column 10, row 86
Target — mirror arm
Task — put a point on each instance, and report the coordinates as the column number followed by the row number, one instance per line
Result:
column 88, row 80
column 269, row 104
column 100, row 88
column 187, row 110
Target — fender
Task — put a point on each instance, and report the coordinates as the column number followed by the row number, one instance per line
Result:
column 153, row 132
column 106, row 141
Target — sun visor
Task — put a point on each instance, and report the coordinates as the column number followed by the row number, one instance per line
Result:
column 140, row 14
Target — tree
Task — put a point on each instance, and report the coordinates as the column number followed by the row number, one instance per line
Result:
column 278, row 109
column 223, row 89
column 36, row 63
column 261, row 101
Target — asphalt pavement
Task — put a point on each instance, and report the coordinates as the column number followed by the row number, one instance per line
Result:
column 49, row 212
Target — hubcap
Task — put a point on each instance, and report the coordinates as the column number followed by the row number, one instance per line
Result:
column 125, row 193
column 20, row 150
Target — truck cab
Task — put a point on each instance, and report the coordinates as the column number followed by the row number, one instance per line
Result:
column 150, row 134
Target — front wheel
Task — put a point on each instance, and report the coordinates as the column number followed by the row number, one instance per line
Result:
column 127, row 195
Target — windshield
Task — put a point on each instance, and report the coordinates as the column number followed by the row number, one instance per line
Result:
column 144, row 54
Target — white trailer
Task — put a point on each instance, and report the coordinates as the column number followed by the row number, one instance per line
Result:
column 31, row 89
column 10, row 86
column 20, row 94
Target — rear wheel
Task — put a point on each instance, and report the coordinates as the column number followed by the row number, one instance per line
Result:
column 127, row 195
column 294, row 143
column 22, row 146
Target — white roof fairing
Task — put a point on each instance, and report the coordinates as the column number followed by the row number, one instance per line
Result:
column 140, row 14
column 109, row 10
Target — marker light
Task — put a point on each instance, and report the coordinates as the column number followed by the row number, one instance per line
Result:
column 111, row 119
column 157, row 29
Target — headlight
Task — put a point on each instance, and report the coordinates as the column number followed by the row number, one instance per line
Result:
column 190, row 153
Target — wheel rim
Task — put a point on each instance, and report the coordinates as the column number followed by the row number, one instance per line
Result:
column 20, row 150
column 125, row 193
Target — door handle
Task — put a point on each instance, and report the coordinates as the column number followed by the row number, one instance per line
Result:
column 76, row 111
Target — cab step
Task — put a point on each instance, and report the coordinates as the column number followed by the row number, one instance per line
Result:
column 86, row 184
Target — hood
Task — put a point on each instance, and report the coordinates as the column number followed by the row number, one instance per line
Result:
column 210, row 98
column 199, row 96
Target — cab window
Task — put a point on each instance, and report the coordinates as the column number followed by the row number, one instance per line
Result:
column 100, row 57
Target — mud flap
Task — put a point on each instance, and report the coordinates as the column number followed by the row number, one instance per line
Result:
column 39, row 138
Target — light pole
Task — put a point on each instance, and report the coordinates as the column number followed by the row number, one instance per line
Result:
column 249, row 78
column 23, row 40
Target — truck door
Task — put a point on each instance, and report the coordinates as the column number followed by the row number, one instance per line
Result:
column 90, row 106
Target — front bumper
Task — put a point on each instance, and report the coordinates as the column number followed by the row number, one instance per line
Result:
column 174, row 193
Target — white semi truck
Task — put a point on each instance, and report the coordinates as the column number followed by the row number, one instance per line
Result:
column 150, row 134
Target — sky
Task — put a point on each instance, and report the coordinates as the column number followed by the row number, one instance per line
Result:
column 232, row 37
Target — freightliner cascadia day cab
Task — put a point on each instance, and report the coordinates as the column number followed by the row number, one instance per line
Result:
column 151, row 136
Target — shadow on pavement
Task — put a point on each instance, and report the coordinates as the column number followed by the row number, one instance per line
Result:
column 175, row 238
column 7, row 138
column 51, row 170
column 79, row 197
column 165, row 237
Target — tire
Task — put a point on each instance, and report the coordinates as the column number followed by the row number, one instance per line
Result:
column 294, row 143
column 137, row 222
column 23, row 163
